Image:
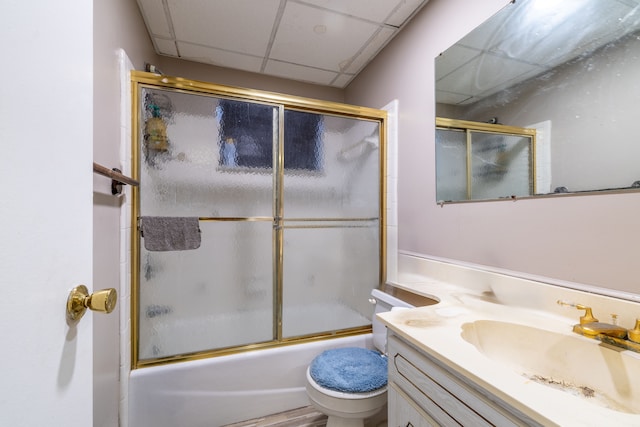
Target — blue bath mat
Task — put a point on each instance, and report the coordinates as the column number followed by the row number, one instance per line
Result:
column 350, row 370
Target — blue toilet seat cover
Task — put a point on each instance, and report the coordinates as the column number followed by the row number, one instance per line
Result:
column 350, row 370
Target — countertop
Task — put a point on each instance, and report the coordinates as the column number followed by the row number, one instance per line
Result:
column 437, row 331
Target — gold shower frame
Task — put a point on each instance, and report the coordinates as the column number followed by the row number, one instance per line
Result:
column 141, row 79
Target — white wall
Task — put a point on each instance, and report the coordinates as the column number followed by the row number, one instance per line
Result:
column 585, row 239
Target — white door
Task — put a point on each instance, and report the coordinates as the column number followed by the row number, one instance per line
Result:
column 46, row 109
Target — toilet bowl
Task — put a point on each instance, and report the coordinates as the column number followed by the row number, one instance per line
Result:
column 350, row 384
column 345, row 409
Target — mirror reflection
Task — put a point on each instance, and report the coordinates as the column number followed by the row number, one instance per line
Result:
column 569, row 70
column 476, row 161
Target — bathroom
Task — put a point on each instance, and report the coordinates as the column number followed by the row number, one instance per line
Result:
column 585, row 239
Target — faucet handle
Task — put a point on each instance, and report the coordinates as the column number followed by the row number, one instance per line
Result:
column 588, row 314
column 634, row 334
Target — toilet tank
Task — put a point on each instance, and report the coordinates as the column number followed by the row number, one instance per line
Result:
column 390, row 298
column 384, row 302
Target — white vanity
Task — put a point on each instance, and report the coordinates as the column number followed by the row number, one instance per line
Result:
column 425, row 392
column 499, row 351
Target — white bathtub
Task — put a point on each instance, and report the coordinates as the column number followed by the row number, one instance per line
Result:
column 222, row 390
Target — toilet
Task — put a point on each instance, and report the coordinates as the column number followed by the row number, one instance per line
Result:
column 350, row 384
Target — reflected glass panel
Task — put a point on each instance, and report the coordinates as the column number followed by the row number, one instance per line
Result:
column 500, row 166
column 329, row 272
column 478, row 161
column 451, row 165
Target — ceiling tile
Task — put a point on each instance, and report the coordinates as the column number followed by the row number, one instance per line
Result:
column 317, row 38
column 469, row 101
column 487, row 35
column 577, row 27
column 511, row 83
column 243, row 26
column 453, row 58
column 342, row 80
column 165, row 47
column 483, row 73
column 331, row 40
column 376, row 11
column 370, row 50
column 298, row 72
column 450, row 98
column 406, row 10
column 155, row 18
column 219, row 57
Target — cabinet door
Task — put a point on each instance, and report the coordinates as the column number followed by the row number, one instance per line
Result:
column 403, row 412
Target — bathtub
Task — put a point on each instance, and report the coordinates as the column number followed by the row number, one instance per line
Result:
column 226, row 389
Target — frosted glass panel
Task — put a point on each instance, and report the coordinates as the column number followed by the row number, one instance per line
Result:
column 194, row 161
column 451, row 165
column 216, row 296
column 340, row 174
column 329, row 273
column 500, row 166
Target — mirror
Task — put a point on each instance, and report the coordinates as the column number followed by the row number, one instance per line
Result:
column 568, row 69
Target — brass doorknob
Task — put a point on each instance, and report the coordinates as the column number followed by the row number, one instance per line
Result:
column 79, row 300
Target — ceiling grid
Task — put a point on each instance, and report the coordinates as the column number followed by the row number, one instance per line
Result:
column 325, row 42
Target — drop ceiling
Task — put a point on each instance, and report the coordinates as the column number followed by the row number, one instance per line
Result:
column 326, row 42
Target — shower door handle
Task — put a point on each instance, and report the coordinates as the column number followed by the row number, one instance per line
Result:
column 79, row 300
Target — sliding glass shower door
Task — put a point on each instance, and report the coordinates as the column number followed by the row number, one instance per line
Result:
column 331, row 224
column 196, row 300
column 286, row 202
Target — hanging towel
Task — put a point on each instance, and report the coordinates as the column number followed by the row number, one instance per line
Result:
column 163, row 233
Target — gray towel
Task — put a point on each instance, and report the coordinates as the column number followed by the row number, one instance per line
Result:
column 163, row 233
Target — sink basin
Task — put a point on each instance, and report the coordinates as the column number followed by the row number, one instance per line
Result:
column 583, row 367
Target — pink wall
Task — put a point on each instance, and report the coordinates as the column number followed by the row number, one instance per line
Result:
column 117, row 24
column 227, row 76
column 589, row 239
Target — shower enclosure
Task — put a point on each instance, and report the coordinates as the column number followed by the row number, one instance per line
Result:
column 287, row 194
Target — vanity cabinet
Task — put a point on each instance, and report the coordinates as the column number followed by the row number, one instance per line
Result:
column 424, row 392
column 404, row 412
